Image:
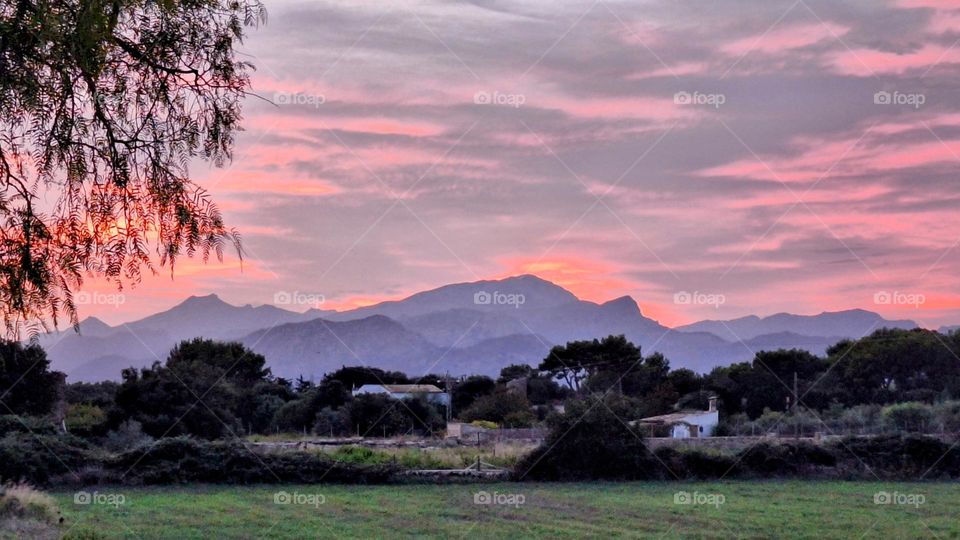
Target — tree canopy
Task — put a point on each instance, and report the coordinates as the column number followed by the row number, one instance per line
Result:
column 103, row 104
column 578, row 360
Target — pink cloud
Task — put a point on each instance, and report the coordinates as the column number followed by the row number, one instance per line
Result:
column 783, row 39
column 868, row 62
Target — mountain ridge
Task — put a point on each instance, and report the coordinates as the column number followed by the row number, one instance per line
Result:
column 461, row 328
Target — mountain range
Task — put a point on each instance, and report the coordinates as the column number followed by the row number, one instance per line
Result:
column 463, row 328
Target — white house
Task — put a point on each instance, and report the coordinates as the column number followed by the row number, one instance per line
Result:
column 687, row 424
column 405, row 391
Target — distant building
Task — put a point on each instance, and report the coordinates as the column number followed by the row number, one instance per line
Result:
column 405, row 391
column 687, row 424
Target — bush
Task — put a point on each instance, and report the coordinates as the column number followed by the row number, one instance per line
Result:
column 28, row 513
column 294, row 416
column 128, row 436
column 861, row 419
column 360, row 455
column 182, row 460
column 332, row 422
column 899, row 456
column 381, row 415
column 908, row 417
column 25, row 424
column 38, row 459
column 591, row 441
column 948, row 416
column 784, row 459
column 507, row 408
column 86, row 420
column 694, row 464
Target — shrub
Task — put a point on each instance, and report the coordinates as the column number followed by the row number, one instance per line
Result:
column 359, row 455
column 378, row 414
column 948, row 416
column 332, row 422
column 903, row 456
column 861, row 419
column 40, row 458
column 769, row 420
column 182, row 460
column 128, row 436
column 694, row 463
column 591, row 441
column 907, row 417
column 294, row 416
column 508, row 408
column 28, row 513
column 705, row 465
column 86, row 420
column 25, row 424
column 785, row 459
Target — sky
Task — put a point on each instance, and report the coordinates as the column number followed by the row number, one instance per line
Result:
column 711, row 159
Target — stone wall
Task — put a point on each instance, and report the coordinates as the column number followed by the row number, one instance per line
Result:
column 732, row 444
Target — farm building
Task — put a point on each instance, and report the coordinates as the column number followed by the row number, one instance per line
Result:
column 686, row 424
column 405, row 391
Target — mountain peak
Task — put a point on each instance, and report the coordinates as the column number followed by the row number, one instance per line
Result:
column 92, row 326
column 93, row 322
column 211, row 298
column 625, row 303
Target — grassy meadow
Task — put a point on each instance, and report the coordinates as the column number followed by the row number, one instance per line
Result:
column 795, row 509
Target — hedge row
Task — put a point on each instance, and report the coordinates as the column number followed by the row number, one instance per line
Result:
column 900, row 457
column 46, row 460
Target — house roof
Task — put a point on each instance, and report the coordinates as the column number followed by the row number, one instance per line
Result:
column 412, row 389
column 672, row 418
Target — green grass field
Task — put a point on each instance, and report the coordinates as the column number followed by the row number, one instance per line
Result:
column 720, row 510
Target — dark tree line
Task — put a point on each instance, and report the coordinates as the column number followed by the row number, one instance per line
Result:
column 218, row 390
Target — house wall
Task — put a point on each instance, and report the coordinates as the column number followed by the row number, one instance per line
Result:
column 707, row 420
column 440, row 397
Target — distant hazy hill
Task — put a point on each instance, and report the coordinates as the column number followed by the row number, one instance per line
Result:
column 101, row 351
column 461, row 328
column 851, row 323
column 211, row 317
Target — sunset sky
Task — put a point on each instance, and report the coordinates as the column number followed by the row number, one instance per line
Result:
column 795, row 156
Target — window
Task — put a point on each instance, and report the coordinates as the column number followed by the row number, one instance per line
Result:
column 701, row 429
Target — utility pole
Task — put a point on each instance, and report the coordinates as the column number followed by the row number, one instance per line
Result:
column 796, row 398
column 448, row 386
